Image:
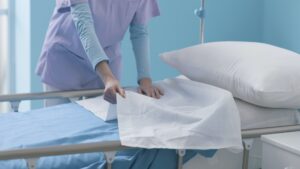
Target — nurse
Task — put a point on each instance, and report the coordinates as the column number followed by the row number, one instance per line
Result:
column 82, row 46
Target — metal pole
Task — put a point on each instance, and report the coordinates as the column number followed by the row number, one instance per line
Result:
column 181, row 154
column 202, row 23
column 245, row 157
column 61, row 150
column 50, row 95
column 255, row 133
column 201, row 14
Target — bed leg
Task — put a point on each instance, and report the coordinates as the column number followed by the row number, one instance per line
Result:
column 110, row 156
column 247, row 144
column 31, row 163
column 15, row 105
column 181, row 154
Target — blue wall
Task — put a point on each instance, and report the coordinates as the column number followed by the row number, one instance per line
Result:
column 177, row 27
column 41, row 12
column 281, row 23
column 234, row 20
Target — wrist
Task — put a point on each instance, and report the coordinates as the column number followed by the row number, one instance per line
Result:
column 107, row 79
column 145, row 81
column 104, row 72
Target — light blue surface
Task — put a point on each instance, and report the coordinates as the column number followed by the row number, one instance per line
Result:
column 71, row 124
column 177, row 27
column 281, row 23
column 270, row 21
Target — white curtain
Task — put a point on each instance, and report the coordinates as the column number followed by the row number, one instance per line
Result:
column 3, row 63
column 3, row 59
column 3, row 77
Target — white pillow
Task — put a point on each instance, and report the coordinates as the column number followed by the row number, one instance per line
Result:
column 258, row 73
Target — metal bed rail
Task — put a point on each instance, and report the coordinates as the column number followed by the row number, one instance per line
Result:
column 32, row 154
column 112, row 146
column 50, row 95
column 16, row 99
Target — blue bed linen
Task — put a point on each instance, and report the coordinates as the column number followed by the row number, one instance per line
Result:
column 71, row 124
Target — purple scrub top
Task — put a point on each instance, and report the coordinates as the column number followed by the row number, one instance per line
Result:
column 64, row 64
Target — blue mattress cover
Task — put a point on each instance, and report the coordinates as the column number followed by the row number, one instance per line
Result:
column 71, row 124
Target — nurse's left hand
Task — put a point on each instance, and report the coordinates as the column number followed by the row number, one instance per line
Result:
column 147, row 88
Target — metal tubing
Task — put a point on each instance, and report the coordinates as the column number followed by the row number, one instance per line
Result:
column 181, row 154
column 245, row 157
column 202, row 23
column 110, row 156
column 31, row 163
column 15, row 105
column 50, row 95
column 180, row 162
column 255, row 133
column 113, row 145
column 61, row 150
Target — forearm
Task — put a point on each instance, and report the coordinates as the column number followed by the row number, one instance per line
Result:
column 84, row 24
column 104, row 72
column 140, row 43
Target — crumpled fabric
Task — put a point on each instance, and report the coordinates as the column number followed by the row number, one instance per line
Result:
column 191, row 115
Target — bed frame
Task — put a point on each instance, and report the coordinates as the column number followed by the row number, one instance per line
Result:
column 109, row 148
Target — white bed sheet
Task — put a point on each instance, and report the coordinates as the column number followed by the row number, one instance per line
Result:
column 253, row 116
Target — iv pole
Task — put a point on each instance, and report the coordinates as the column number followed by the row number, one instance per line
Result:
column 201, row 14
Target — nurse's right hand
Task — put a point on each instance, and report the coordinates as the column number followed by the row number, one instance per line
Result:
column 112, row 87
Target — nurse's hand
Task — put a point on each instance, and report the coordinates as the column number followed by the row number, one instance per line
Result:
column 112, row 87
column 147, row 88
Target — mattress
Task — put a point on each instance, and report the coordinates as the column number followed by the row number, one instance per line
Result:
column 253, row 116
column 259, row 117
column 71, row 124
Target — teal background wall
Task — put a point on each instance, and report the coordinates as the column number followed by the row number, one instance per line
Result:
column 282, row 24
column 40, row 13
column 271, row 21
column 177, row 27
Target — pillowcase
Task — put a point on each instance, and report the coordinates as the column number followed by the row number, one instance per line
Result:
column 257, row 73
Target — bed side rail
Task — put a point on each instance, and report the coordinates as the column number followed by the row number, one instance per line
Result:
column 256, row 133
column 109, row 148
column 115, row 145
column 29, row 153
column 15, row 99
column 50, row 95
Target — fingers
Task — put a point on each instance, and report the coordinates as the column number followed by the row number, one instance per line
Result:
column 156, row 92
column 121, row 91
column 139, row 90
column 151, row 92
column 110, row 95
column 161, row 92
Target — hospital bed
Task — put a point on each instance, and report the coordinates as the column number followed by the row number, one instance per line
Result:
column 42, row 143
column 31, row 154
